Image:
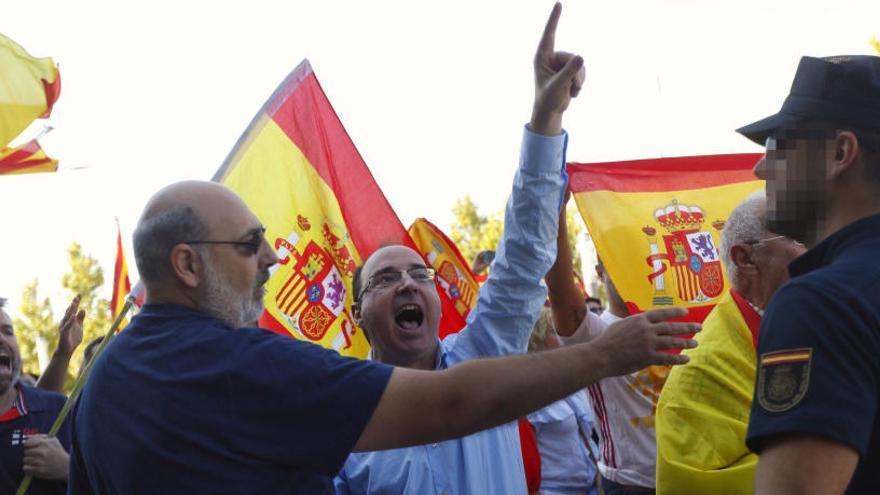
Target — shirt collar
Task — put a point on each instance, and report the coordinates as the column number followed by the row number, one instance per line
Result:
column 19, row 406
column 751, row 314
column 833, row 246
column 439, row 360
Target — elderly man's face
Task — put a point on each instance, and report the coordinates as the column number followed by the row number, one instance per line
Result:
column 232, row 287
column 772, row 257
column 10, row 358
column 401, row 318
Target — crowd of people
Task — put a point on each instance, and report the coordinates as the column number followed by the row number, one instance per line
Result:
column 776, row 394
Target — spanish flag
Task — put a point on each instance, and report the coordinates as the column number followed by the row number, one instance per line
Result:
column 455, row 280
column 121, row 285
column 298, row 170
column 28, row 88
column 656, row 224
column 28, row 158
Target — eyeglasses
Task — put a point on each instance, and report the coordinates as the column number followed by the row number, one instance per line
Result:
column 250, row 246
column 765, row 241
column 381, row 280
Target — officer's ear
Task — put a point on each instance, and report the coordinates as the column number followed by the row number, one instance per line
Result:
column 742, row 256
column 845, row 148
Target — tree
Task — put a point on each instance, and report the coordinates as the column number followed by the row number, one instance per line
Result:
column 86, row 278
column 34, row 329
column 37, row 328
column 876, row 44
column 473, row 232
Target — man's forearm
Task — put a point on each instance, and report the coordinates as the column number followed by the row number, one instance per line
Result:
column 545, row 122
column 421, row 407
column 501, row 390
column 55, row 374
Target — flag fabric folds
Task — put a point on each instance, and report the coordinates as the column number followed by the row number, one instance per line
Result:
column 121, row 284
column 656, row 224
column 28, row 88
column 298, row 170
column 28, row 158
column 457, row 284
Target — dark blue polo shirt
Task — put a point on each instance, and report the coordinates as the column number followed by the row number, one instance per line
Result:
column 180, row 403
column 819, row 351
column 37, row 411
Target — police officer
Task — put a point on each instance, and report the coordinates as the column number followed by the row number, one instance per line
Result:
column 814, row 419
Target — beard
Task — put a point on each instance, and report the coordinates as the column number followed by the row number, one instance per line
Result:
column 797, row 214
column 218, row 299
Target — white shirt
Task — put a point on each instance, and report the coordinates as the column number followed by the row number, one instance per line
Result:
column 624, row 408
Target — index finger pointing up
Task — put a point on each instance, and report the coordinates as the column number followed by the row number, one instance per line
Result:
column 548, row 39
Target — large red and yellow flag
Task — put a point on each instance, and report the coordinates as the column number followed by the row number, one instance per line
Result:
column 29, row 87
column 28, row 158
column 656, row 224
column 454, row 277
column 121, row 284
column 298, row 170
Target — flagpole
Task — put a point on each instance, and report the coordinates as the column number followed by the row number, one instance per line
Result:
column 81, row 380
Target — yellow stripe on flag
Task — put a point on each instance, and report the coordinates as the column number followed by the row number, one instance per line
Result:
column 297, row 206
column 628, row 232
column 28, row 88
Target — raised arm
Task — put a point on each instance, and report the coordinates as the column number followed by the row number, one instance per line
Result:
column 512, row 296
column 566, row 300
column 70, row 335
column 419, row 407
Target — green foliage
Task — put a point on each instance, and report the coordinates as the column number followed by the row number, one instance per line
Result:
column 35, row 323
column 86, row 278
column 38, row 323
column 473, row 232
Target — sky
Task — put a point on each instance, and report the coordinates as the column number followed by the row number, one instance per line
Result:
column 433, row 94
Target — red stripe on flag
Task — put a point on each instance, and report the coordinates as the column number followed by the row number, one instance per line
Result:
column 681, row 173
column 328, row 148
column 120, row 276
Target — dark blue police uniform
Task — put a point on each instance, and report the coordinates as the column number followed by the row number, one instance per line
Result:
column 36, row 412
column 819, row 351
column 180, row 403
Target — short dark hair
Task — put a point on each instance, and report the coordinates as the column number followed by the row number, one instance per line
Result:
column 157, row 235
column 593, row 299
column 90, row 349
column 2, row 302
column 356, row 284
column 868, row 139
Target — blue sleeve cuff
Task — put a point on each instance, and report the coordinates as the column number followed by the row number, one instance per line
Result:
column 542, row 153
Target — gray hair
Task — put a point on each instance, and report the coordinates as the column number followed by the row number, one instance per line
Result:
column 157, row 235
column 746, row 223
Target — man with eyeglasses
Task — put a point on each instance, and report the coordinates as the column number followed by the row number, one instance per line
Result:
column 703, row 411
column 398, row 308
column 815, row 421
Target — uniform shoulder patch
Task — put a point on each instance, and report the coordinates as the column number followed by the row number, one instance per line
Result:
column 783, row 378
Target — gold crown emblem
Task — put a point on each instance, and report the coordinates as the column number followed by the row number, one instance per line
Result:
column 676, row 217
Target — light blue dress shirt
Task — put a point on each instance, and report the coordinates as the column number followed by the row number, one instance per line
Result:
column 488, row 462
